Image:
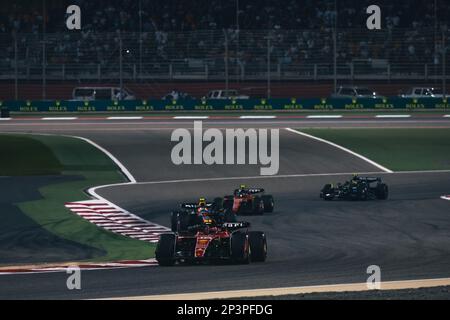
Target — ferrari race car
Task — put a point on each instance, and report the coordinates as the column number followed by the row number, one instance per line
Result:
column 205, row 239
column 249, row 201
column 356, row 189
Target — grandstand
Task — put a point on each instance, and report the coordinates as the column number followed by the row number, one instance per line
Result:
column 153, row 46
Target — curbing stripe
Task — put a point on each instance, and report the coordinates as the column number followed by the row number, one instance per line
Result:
column 341, row 148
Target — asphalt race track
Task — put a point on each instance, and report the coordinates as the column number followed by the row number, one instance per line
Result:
column 311, row 242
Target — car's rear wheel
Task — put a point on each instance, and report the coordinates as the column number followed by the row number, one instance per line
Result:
column 269, row 203
column 240, row 248
column 258, row 246
column 382, row 191
column 228, row 202
column 165, row 250
column 218, row 203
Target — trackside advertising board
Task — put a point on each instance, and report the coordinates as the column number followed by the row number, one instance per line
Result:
column 294, row 104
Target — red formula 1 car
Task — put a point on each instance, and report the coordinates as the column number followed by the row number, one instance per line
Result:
column 209, row 241
column 249, row 201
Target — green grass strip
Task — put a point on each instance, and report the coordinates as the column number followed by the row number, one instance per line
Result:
column 74, row 157
column 396, row 149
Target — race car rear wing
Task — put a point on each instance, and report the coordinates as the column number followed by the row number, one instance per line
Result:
column 236, row 225
column 251, row 191
column 371, row 179
column 193, row 206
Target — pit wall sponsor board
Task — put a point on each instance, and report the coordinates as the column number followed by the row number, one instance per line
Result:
column 294, row 104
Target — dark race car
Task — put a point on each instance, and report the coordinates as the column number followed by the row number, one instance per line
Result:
column 189, row 214
column 205, row 239
column 356, row 189
column 249, row 201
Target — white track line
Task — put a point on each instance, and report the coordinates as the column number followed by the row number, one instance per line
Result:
column 393, row 116
column 272, row 292
column 125, row 171
column 60, row 118
column 341, row 148
column 257, row 117
column 191, row 117
column 288, row 176
column 447, row 116
column 5, row 119
column 325, row 117
column 125, row 118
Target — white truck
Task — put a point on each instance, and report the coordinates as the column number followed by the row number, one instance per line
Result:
column 355, row 92
column 423, row 92
column 225, row 94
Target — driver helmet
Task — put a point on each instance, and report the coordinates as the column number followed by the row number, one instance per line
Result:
column 242, row 190
column 202, row 202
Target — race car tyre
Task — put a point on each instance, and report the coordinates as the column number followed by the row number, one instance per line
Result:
column 364, row 194
column 327, row 192
column 228, row 202
column 218, row 203
column 382, row 191
column 258, row 246
column 165, row 250
column 269, row 203
column 240, row 248
column 258, row 206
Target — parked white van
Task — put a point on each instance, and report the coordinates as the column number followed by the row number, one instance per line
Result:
column 101, row 93
column 224, row 94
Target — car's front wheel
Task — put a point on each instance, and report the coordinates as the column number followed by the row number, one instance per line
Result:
column 165, row 250
column 258, row 245
column 240, row 248
column 382, row 191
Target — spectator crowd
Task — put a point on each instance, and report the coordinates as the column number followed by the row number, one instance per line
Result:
column 195, row 32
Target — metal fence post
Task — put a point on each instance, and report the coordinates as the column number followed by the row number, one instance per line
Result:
column 44, row 71
column 226, row 63
column 269, row 84
column 16, row 73
column 44, row 57
column 335, row 46
column 389, row 72
column 120, row 64
column 444, row 63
